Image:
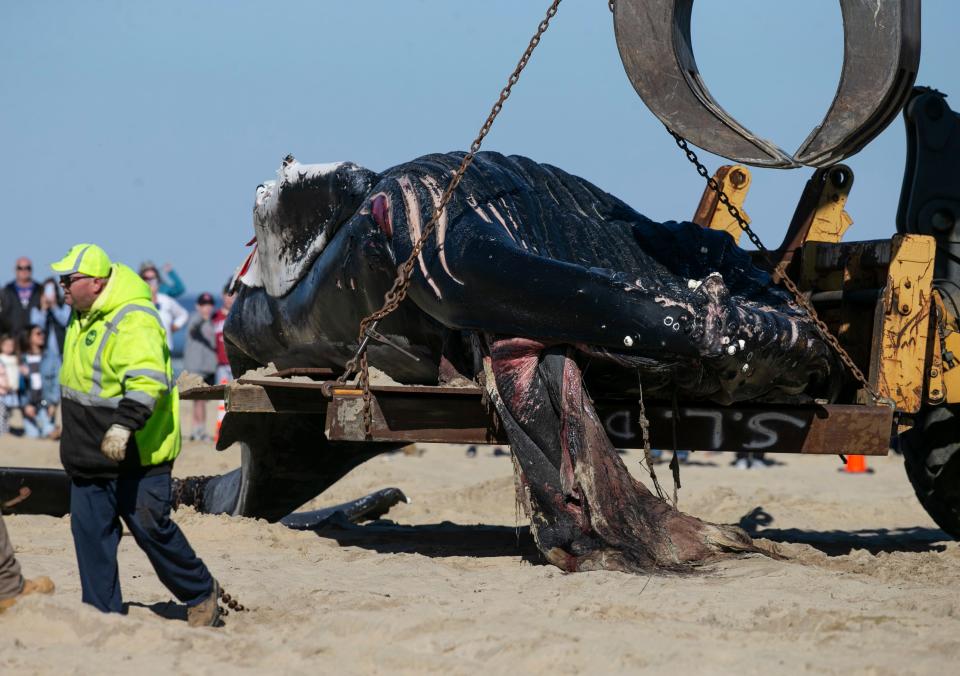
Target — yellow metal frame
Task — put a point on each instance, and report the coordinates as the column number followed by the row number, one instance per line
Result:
column 831, row 220
column 899, row 365
column 734, row 180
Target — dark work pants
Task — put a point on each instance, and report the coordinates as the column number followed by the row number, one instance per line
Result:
column 96, row 507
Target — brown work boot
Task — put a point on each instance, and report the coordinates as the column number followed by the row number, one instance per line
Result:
column 207, row 612
column 39, row 585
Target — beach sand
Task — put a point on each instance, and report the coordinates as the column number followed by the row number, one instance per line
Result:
column 452, row 584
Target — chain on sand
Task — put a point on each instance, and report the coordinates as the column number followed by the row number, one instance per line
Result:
column 779, row 271
column 231, row 603
column 398, row 291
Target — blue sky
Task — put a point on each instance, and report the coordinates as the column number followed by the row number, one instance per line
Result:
column 146, row 127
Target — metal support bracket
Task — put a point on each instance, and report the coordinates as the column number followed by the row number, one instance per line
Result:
column 734, row 180
column 899, row 361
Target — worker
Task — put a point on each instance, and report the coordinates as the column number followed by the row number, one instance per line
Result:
column 13, row 586
column 121, row 434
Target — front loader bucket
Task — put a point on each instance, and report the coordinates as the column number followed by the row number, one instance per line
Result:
column 881, row 57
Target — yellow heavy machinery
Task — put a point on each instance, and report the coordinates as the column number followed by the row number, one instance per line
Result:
column 893, row 304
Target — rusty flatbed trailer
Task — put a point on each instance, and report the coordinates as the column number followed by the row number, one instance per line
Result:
column 415, row 413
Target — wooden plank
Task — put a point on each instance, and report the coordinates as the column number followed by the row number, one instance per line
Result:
column 423, row 417
column 240, row 398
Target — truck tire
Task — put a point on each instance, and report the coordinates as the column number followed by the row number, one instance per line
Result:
column 931, row 455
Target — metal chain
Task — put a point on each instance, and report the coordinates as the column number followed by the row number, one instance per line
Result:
column 231, row 603
column 398, row 291
column 365, row 387
column 779, row 270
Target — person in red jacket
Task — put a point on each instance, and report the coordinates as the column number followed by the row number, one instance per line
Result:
column 223, row 374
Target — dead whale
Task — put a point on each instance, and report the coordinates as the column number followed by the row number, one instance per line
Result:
column 532, row 275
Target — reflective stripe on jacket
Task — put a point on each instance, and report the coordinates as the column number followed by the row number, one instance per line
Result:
column 117, row 369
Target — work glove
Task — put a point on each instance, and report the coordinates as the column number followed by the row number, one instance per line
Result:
column 114, row 444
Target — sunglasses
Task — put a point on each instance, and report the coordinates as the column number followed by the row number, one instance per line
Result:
column 66, row 281
column 24, row 267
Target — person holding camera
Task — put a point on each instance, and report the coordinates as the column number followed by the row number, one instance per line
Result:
column 52, row 317
column 37, row 411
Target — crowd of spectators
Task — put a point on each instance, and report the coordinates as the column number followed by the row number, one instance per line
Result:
column 33, row 324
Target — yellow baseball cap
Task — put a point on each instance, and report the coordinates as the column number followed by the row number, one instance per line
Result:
column 87, row 259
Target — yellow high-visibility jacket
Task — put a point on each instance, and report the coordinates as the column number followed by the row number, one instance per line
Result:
column 117, row 369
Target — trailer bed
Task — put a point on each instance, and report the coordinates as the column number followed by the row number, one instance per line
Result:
column 460, row 415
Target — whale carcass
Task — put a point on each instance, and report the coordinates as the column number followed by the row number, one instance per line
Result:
column 542, row 288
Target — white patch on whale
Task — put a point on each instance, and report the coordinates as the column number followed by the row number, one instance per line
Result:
column 274, row 266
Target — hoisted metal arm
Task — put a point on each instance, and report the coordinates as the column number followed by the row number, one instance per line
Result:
column 880, row 61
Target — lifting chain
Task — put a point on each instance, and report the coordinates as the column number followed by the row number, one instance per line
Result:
column 398, row 291
column 365, row 387
column 779, row 271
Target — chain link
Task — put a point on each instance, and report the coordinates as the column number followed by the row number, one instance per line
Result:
column 398, row 291
column 365, row 386
column 231, row 602
column 779, row 271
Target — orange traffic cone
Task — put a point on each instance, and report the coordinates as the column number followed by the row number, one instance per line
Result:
column 857, row 464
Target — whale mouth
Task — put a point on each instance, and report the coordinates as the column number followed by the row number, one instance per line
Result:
column 296, row 215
